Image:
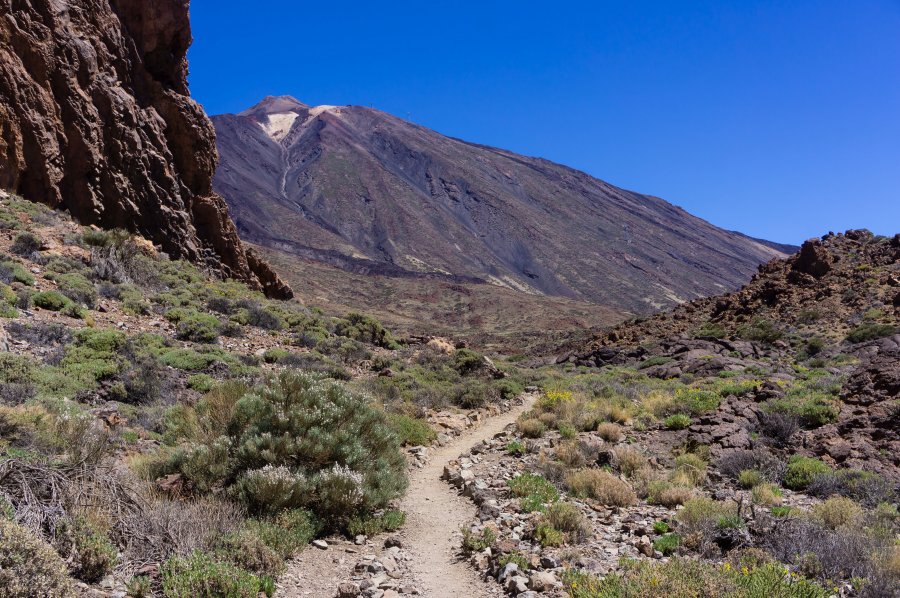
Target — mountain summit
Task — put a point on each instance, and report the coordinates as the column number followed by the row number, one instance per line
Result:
column 368, row 192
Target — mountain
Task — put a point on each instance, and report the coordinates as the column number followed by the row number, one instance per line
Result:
column 367, row 192
column 96, row 118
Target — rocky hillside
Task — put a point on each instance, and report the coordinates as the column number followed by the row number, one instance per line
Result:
column 95, row 118
column 362, row 190
column 813, row 340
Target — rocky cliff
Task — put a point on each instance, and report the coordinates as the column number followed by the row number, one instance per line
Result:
column 95, row 118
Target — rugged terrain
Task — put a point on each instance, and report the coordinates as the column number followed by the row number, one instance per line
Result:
column 369, row 193
column 95, row 118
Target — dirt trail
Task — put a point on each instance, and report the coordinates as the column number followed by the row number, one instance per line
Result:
column 435, row 513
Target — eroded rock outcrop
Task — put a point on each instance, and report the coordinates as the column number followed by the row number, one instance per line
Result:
column 95, row 118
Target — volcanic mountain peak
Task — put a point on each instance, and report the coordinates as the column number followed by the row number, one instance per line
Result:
column 276, row 115
column 363, row 190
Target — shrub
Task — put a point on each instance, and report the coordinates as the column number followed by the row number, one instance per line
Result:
column 547, row 535
column 750, row 478
column 516, row 448
column 201, row 382
column 837, row 511
column 472, row 542
column 29, row 566
column 568, row 518
column 602, row 486
column 77, row 288
column 678, row 421
column 629, row 460
column 410, row 430
column 691, row 468
column 609, row 432
column 870, row 331
column 246, row 550
column 801, row 471
column 191, row 325
column 534, row 491
column 667, row 494
column 323, row 445
column 370, row 525
column 767, row 495
column 667, row 544
column 25, row 244
column 701, row 511
column 365, row 329
column 50, row 300
column 531, row 427
column 13, row 272
column 661, row 527
column 865, row 487
column 653, row 361
column 199, row 575
column 91, row 554
column 288, row 532
column 734, row 462
column 760, row 330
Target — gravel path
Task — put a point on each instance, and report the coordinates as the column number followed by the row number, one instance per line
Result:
column 431, row 537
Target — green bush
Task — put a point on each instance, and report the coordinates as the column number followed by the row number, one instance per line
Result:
column 476, row 543
column 92, row 555
column 201, row 382
column 199, row 575
column 678, row 421
column 547, row 535
column 288, row 532
column 304, row 441
column 29, row 566
column 370, row 525
column 667, row 544
column 246, row 550
column 25, row 244
column 77, row 288
column 801, row 471
column 516, row 448
column 534, row 490
column 410, row 430
column 750, row 478
column 653, row 361
column 275, row 354
column 365, row 329
column 870, row 331
column 50, row 300
column 13, row 272
column 191, row 325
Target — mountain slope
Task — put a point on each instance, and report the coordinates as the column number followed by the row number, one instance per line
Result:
column 365, row 191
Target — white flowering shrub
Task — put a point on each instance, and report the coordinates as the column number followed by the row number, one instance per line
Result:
column 301, row 441
column 273, row 489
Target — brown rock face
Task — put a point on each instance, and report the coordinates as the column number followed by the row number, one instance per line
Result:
column 95, row 118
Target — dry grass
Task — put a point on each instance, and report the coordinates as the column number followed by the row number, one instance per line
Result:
column 767, row 495
column 658, row 403
column 837, row 511
column 602, row 486
column 570, row 453
column 610, row 432
column 629, row 460
column 531, row 427
column 668, row 494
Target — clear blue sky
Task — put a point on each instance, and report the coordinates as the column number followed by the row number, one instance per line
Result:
column 779, row 119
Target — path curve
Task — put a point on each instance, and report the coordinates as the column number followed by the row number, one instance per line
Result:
column 435, row 513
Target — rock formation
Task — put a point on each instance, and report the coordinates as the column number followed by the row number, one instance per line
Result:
column 95, row 118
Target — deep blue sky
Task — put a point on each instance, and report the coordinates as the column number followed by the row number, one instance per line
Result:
column 778, row 119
